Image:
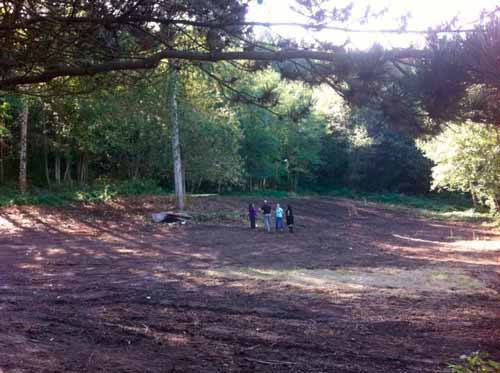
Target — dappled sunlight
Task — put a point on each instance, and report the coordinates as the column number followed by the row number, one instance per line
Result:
column 56, row 251
column 337, row 284
column 477, row 245
column 359, row 279
column 30, row 266
column 142, row 252
column 414, row 239
column 475, row 252
column 7, row 226
column 464, row 259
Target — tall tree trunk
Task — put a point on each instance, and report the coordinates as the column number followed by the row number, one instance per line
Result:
column 67, row 171
column 198, row 186
column 57, row 168
column 83, row 169
column 2, row 175
column 46, row 154
column 473, row 196
column 176, row 146
column 23, row 153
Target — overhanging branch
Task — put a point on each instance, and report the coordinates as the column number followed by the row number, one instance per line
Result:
column 153, row 61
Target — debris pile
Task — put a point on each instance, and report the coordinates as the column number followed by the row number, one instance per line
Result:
column 171, row 217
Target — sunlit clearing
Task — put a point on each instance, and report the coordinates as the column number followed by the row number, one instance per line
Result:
column 425, row 279
column 477, row 245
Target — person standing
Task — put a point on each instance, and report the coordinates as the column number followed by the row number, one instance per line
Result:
column 278, row 216
column 252, row 214
column 266, row 213
column 289, row 218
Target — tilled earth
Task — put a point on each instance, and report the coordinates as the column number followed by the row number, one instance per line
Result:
column 358, row 287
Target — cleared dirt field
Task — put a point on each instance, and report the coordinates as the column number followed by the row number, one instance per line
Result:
column 363, row 289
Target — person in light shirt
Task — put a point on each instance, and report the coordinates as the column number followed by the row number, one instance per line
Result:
column 278, row 216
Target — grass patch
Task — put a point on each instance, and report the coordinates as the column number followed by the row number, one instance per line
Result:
column 469, row 216
column 441, row 206
column 216, row 215
column 436, row 202
column 264, row 194
column 416, row 280
column 101, row 191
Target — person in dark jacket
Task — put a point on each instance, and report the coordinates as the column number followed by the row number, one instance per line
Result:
column 289, row 218
column 266, row 214
column 252, row 214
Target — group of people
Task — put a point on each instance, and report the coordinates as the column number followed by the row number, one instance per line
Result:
column 267, row 210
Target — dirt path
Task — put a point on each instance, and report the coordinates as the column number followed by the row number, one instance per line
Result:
column 369, row 289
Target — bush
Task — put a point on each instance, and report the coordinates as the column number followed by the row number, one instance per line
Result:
column 477, row 362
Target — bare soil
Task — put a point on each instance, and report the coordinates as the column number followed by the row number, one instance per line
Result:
column 359, row 287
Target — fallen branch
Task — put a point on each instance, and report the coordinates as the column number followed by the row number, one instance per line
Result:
column 270, row 362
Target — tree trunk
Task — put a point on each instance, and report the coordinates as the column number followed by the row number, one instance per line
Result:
column 46, row 155
column 2, row 175
column 67, row 172
column 198, row 186
column 176, row 146
column 23, row 183
column 473, row 196
column 83, row 170
column 57, row 168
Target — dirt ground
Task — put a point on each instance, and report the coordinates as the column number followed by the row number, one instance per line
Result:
column 358, row 288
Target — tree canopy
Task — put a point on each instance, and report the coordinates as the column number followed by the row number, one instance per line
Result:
column 46, row 41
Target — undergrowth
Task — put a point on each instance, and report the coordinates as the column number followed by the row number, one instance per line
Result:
column 101, row 191
column 441, row 206
column 477, row 362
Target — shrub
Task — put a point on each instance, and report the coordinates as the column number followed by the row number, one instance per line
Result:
column 477, row 362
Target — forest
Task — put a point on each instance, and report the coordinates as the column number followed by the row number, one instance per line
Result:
column 425, row 121
column 307, row 138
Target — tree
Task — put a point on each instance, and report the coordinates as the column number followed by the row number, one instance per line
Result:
column 211, row 134
column 176, row 142
column 366, row 152
column 43, row 40
column 467, row 159
column 23, row 120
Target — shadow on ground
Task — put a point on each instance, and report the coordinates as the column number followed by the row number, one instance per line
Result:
column 100, row 288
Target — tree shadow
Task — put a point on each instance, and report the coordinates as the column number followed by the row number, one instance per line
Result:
column 100, row 292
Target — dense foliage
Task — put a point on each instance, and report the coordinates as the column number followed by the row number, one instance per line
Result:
column 268, row 133
column 467, row 158
column 363, row 153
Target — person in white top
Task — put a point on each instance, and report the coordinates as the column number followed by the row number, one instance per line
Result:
column 278, row 217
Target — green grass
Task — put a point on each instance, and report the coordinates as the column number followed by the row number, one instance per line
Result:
column 442, row 206
column 436, row 202
column 271, row 193
column 99, row 192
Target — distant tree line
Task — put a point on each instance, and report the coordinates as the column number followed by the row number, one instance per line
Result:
column 282, row 140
